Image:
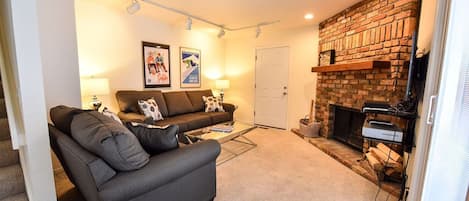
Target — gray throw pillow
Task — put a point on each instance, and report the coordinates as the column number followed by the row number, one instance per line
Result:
column 155, row 139
column 110, row 140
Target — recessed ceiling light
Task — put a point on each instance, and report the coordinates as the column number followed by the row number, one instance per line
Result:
column 309, row 16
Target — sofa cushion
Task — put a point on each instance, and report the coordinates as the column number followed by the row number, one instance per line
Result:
column 62, row 117
column 128, row 100
column 177, row 102
column 196, row 99
column 110, row 140
column 183, row 126
column 187, row 122
column 134, row 117
column 218, row 117
column 100, row 171
column 195, row 120
column 155, row 139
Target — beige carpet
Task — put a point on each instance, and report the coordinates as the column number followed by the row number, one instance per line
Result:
column 284, row 167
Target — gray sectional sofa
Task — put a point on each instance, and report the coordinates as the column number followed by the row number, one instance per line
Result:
column 187, row 173
column 182, row 108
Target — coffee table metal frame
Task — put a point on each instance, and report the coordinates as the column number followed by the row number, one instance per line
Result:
column 222, row 137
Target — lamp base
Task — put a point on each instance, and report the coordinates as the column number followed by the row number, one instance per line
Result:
column 95, row 103
column 222, row 94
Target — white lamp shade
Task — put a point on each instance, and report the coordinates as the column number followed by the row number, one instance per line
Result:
column 95, row 86
column 222, row 84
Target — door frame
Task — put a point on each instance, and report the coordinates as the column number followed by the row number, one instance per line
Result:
column 431, row 89
column 288, row 83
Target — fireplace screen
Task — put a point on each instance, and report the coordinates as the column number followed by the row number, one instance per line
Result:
column 348, row 124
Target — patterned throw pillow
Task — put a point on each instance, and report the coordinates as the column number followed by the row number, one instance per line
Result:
column 213, row 104
column 108, row 113
column 150, row 109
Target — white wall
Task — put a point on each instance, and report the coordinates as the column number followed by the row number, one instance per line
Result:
column 58, row 43
column 426, row 24
column 240, row 68
column 59, row 54
column 109, row 45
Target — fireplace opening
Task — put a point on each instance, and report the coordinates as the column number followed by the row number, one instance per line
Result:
column 348, row 124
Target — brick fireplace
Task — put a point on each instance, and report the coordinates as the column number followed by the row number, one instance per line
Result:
column 371, row 30
column 348, row 126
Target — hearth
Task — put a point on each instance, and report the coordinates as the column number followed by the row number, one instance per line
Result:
column 347, row 125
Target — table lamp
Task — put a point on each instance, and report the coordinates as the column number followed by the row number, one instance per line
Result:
column 95, row 87
column 221, row 85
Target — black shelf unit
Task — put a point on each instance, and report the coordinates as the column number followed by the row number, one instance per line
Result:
column 404, row 115
column 409, row 131
column 407, row 141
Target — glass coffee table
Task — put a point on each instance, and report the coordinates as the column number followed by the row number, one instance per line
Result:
column 236, row 135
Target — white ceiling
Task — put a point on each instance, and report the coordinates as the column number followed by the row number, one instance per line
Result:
column 238, row 13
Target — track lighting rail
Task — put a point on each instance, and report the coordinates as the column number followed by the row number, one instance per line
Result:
column 135, row 7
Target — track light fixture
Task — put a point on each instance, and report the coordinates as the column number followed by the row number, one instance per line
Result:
column 134, row 7
column 221, row 33
column 258, row 31
column 189, row 23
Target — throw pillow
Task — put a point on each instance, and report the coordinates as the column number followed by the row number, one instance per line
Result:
column 62, row 117
column 155, row 139
column 150, row 109
column 112, row 141
column 110, row 114
column 213, row 104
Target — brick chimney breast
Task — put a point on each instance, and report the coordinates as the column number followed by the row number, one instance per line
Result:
column 369, row 30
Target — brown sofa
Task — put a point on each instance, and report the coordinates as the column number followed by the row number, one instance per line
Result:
column 183, row 108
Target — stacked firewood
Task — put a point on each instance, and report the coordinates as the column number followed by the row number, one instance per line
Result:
column 385, row 161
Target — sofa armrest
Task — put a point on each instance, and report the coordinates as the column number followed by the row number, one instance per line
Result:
column 228, row 107
column 161, row 169
column 87, row 171
column 134, row 117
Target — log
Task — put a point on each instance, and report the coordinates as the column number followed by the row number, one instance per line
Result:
column 383, row 158
column 392, row 172
column 394, row 155
column 374, row 162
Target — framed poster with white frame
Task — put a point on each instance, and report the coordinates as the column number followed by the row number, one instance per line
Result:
column 156, row 65
column 190, row 61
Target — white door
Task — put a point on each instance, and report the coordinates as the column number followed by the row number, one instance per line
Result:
column 271, row 87
column 447, row 169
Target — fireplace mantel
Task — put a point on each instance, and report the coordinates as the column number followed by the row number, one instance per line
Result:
column 366, row 65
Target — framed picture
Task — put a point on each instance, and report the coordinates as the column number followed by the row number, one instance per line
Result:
column 156, row 65
column 327, row 58
column 190, row 67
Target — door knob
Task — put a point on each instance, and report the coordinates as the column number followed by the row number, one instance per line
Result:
column 285, row 93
